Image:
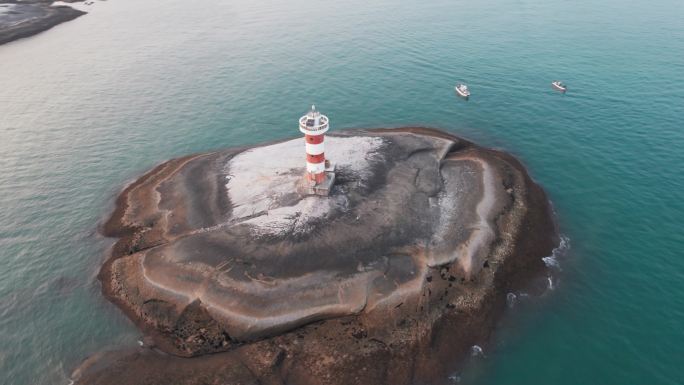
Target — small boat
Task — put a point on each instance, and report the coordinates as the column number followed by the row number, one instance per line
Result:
column 559, row 86
column 462, row 90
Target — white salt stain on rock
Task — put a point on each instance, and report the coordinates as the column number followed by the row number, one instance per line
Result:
column 294, row 219
column 481, row 232
column 262, row 182
column 511, row 299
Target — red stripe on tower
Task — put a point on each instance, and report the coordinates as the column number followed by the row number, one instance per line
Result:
column 314, row 139
column 320, row 158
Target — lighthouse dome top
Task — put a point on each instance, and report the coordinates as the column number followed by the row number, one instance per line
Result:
column 314, row 123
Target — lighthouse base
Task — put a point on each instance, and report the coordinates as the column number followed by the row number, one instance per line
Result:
column 323, row 188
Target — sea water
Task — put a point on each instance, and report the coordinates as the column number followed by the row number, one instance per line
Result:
column 89, row 105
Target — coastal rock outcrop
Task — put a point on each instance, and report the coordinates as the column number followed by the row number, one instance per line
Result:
column 19, row 19
column 388, row 280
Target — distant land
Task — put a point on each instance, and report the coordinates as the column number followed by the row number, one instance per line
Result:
column 405, row 268
column 19, row 19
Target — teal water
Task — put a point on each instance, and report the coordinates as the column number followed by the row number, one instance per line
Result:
column 89, row 105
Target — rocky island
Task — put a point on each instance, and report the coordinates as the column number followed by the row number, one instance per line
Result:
column 235, row 276
column 19, row 19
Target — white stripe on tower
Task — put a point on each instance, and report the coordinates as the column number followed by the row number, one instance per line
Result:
column 315, row 168
column 315, row 149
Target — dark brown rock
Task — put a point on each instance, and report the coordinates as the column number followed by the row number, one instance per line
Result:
column 27, row 18
column 389, row 280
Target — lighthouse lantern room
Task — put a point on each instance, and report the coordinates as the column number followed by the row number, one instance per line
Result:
column 320, row 173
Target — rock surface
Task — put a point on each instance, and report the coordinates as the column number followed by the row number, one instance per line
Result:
column 19, row 19
column 387, row 281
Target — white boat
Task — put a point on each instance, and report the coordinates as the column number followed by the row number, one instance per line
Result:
column 559, row 86
column 462, row 90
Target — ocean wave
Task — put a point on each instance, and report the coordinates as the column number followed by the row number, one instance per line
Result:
column 552, row 261
column 511, row 299
column 476, row 351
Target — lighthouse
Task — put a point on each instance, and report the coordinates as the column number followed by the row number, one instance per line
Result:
column 320, row 173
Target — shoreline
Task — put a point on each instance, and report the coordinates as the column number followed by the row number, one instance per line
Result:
column 32, row 18
column 520, row 270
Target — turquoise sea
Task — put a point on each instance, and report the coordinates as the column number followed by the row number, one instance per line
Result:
column 91, row 104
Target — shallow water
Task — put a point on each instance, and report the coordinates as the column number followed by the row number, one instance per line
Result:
column 89, row 105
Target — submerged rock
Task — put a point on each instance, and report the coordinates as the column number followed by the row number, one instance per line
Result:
column 397, row 273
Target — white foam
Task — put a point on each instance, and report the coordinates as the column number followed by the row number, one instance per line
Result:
column 476, row 351
column 562, row 248
column 511, row 299
column 551, row 262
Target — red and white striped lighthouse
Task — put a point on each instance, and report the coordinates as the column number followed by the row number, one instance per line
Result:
column 319, row 172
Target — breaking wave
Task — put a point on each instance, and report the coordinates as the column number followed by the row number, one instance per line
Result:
column 551, row 285
column 476, row 351
column 511, row 299
column 559, row 251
